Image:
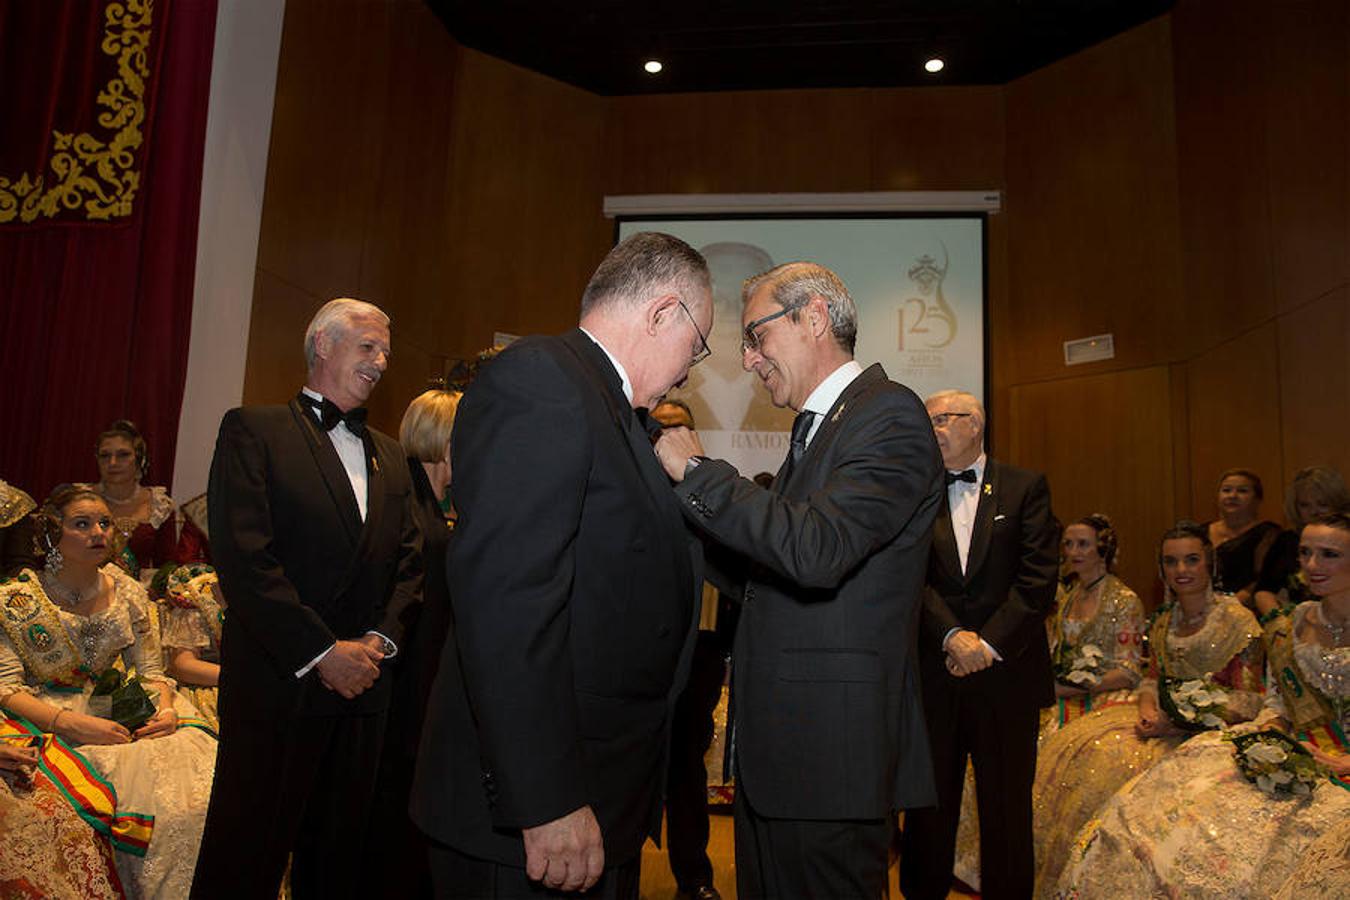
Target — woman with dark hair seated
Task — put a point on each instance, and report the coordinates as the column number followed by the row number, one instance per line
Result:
column 1204, row 672
column 62, row 632
column 152, row 530
column 1240, row 537
column 1315, row 491
column 1242, row 814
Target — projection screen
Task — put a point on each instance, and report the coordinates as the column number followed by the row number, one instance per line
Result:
column 918, row 283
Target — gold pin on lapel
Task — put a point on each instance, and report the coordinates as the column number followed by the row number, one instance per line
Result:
column 988, row 489
column 838, row 412
column 375, row 463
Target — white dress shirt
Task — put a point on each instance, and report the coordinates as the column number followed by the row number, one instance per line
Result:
column 618, row 366
column 963, row 499
column 351, row 450
column 828, row 391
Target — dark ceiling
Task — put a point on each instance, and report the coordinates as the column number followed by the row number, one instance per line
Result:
column 717, row 45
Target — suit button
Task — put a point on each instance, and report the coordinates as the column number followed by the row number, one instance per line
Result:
column 749, row 594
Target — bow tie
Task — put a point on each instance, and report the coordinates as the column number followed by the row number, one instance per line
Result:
column 967, row 475
column 330, row 415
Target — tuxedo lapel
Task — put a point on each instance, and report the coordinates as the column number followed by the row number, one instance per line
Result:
column 944, row 540
column 330, row 467
column 984, row 520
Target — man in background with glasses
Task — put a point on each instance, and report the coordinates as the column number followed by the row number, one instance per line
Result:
column 576, row 589
column 829, row 563
column 986, row 664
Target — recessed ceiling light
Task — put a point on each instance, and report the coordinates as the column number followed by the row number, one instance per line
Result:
column 934, row 65
column 653, row 66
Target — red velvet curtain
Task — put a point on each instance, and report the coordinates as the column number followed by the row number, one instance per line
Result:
column 101, row 144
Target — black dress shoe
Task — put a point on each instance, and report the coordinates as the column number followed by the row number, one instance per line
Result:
column 702, row 892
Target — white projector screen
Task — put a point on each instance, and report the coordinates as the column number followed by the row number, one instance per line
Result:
column 918, row 283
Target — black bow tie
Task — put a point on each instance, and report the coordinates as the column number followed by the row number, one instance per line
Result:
column 330, row 415
column 967, row 475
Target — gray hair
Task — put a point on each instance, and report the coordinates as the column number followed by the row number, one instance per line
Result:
column 967, row 399
column 793, row 284
column 338, row 315
column 645, row 264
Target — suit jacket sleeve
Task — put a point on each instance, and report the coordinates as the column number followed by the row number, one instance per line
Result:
column 886, row 473
column 522, row 456
column 938, row 619
column 1032, row 595
column 260, row 595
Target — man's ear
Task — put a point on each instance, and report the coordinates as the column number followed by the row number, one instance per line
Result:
column 659, row 309
column 819, row 312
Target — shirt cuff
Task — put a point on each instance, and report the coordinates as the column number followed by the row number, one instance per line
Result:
column 389, row 645
column 992, row 652
column 303, row 671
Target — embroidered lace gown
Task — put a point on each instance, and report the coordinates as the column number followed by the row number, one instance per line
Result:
column 168, row 777
column 1083, row 764
column 1193, row 826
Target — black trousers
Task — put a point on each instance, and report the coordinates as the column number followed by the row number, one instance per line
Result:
column 788, row 858
column 1000, row 741
column 458, row 876
column 687, row 782
column 303, row 786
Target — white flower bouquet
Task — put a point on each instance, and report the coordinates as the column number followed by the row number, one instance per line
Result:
column 1276, row 763
column 1081, row 666
column 1195, row 704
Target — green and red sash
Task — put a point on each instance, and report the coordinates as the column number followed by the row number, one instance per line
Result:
column 88, row 792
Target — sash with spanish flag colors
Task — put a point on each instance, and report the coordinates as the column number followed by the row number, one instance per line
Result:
column 1330, row 739
column 88, row 792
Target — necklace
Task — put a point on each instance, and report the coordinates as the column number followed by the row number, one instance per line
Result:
column 134, row 496
column 1337, row 629
column 1195, row 619
column 65, row 597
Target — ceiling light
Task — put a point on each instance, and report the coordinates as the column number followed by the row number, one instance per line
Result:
column 934, row 65
column 653, row 66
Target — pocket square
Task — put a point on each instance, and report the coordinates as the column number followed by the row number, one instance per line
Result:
column 1000, row 517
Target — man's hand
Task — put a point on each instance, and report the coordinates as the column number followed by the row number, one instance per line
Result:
column 967, row 654
column 567, row 854
column 674, row 447
column 351, row 666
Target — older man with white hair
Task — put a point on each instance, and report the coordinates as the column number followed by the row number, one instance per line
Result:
column 983, row 655
column 318, row 556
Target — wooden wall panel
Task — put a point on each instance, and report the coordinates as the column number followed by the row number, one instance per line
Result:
column 1234, row 413
column 1314, row 346
column 1307, row 128
column 1092, row 199
column 937, row 139
column 1105, row 443
column 276, row 336
column 525, row 201
column 1222, row 60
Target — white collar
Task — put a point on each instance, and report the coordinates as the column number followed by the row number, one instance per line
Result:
column 618, row 366
column 828, row 391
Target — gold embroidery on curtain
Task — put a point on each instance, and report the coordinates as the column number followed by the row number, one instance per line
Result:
column 86, row 172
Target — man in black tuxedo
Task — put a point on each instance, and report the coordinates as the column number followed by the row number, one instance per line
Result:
column 829, row 730
column 687, row 825
column 986, row 664
column 318, row 557
column 575, row 589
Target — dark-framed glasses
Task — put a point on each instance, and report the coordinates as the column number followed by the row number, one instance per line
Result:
column 942, row 420
column 750, row 339
column 704, row 350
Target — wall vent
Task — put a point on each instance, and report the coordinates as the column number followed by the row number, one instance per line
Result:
column 1089, row 349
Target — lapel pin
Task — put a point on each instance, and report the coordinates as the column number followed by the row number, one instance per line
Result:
column 375, row 464
column 838, row 412
column 988, row 489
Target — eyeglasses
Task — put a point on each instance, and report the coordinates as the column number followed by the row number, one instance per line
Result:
column 704, row 350
column 942, row 420
column 750, row 339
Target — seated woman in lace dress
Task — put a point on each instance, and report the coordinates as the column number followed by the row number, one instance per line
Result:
column 152, row 530
column 1195, row 826
column 191, row 618
column 1199, row 640
column 59, row 631
column 1096, row 641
